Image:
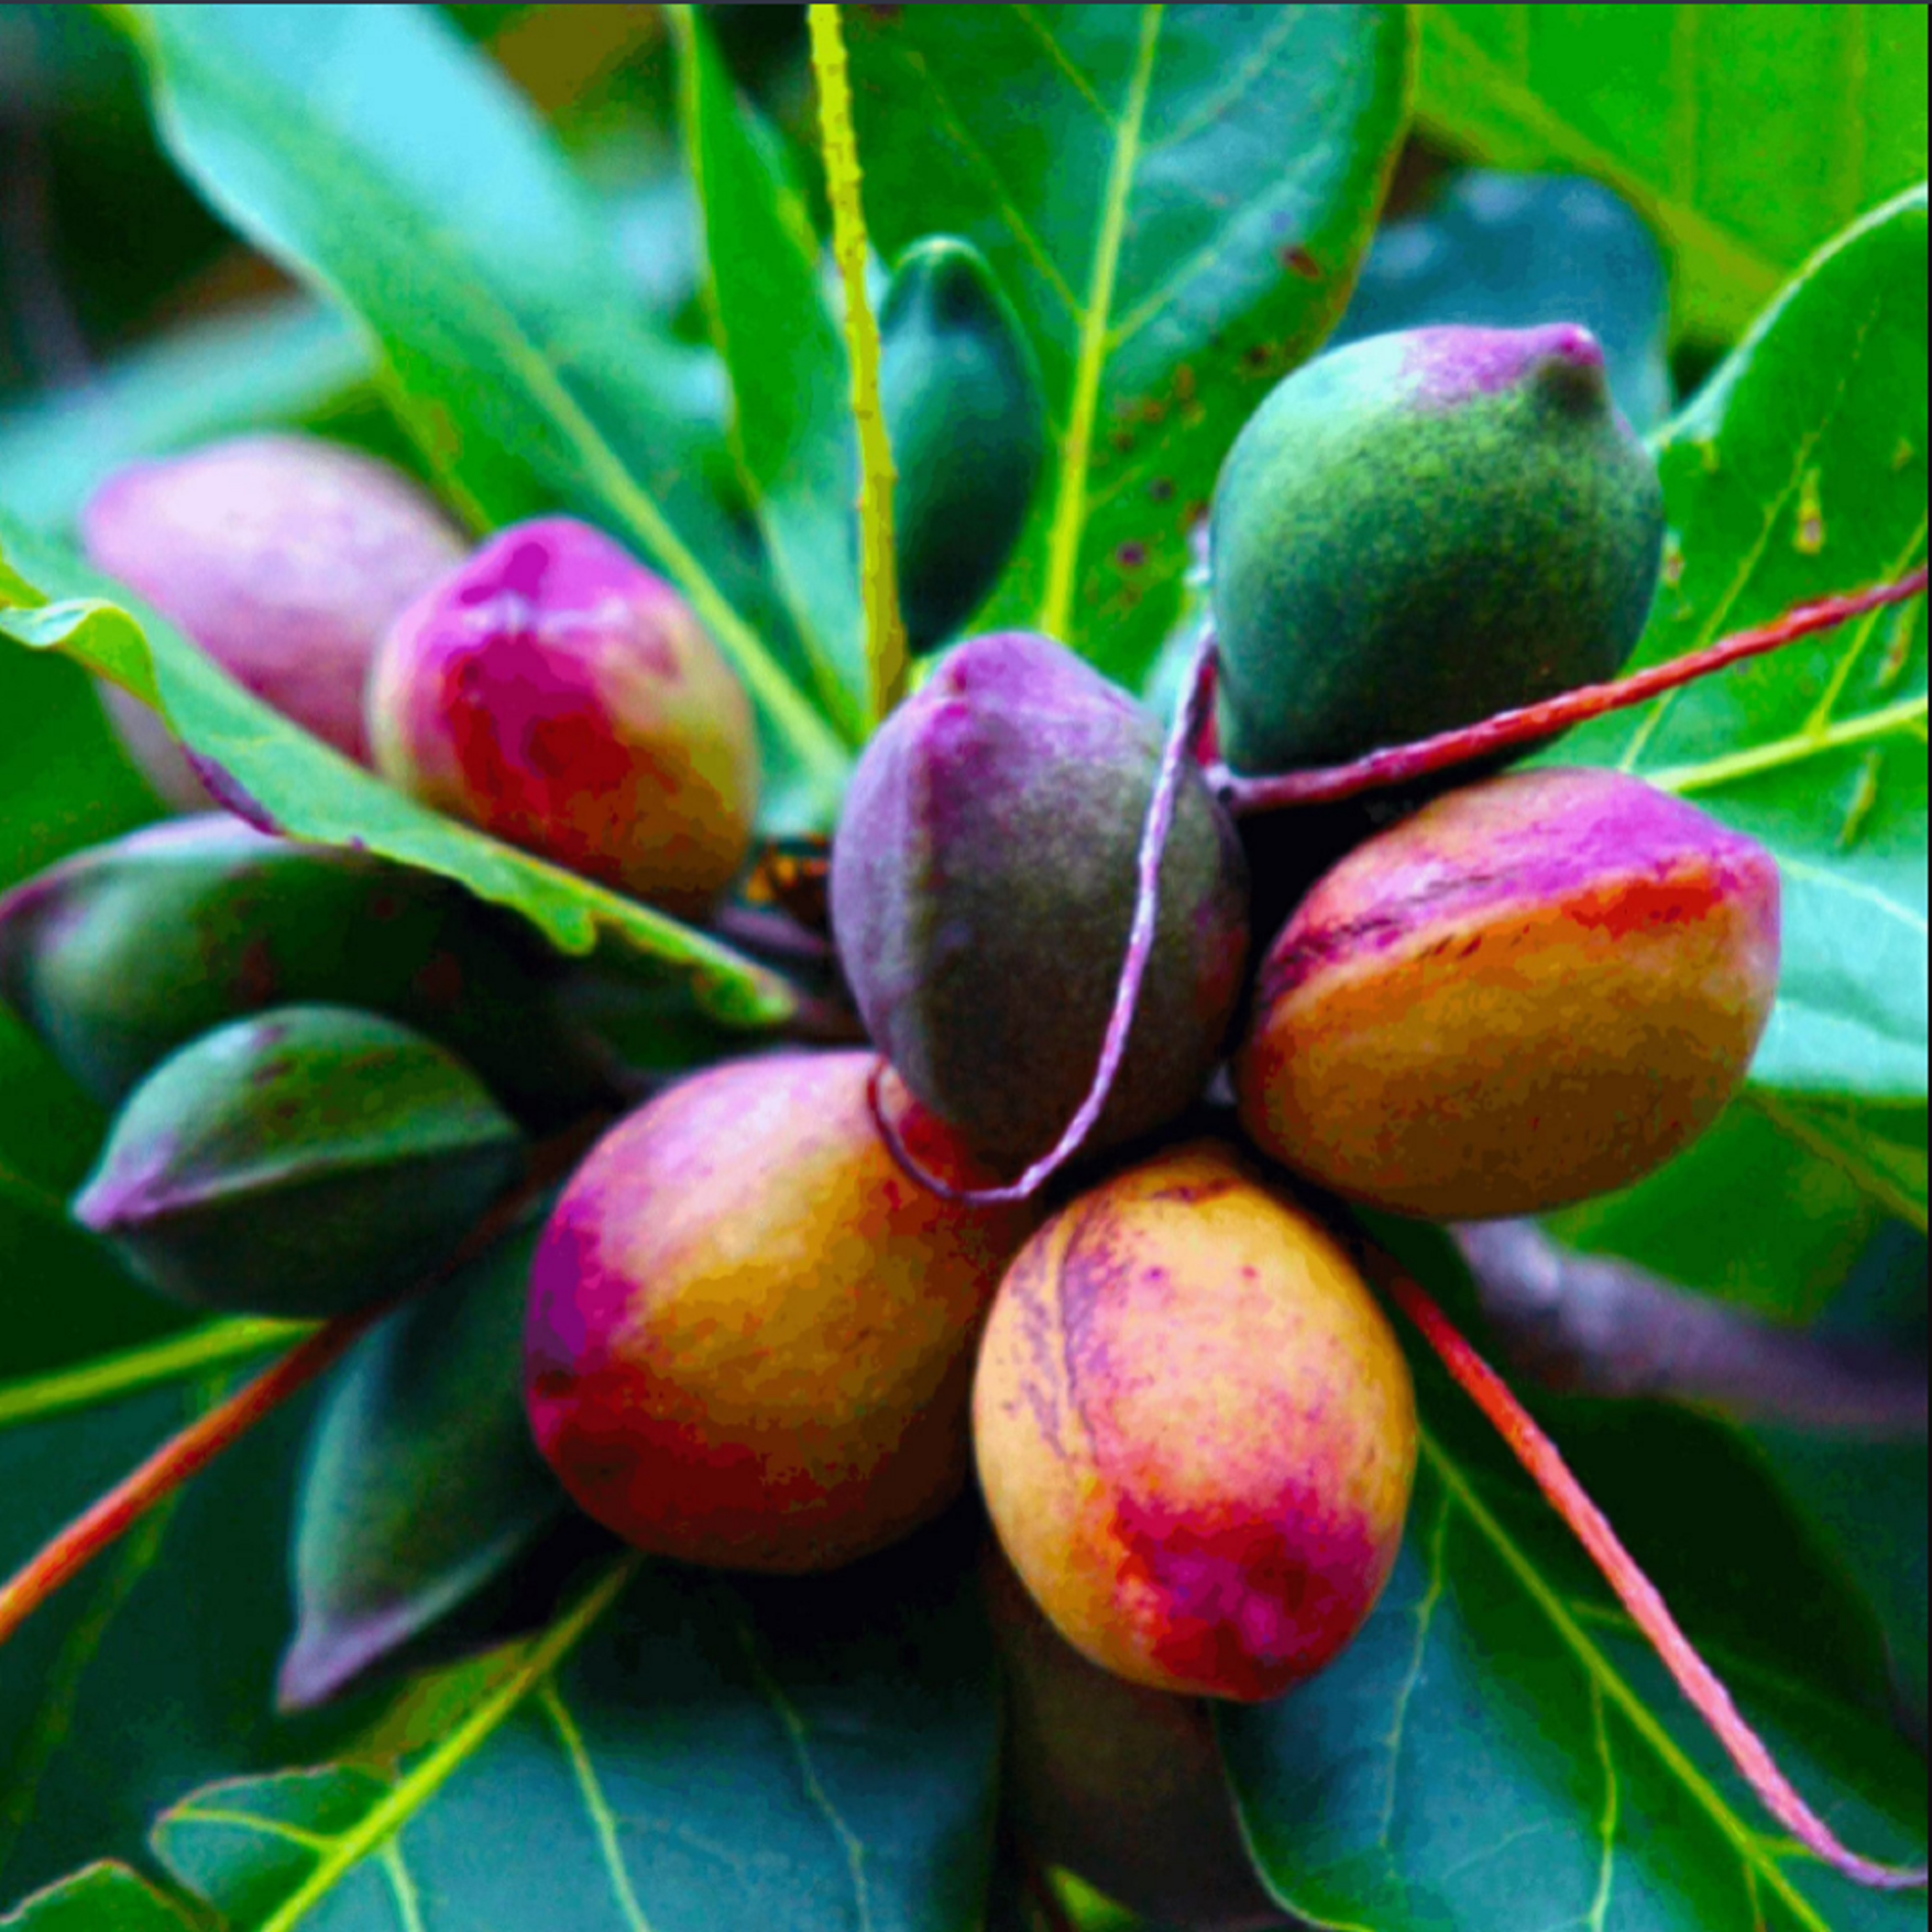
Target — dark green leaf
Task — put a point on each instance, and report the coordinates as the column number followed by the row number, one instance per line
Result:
column 1746, row 136
column 63, row 784
column 1176, row 198
column 153, row 1670
column 1799, row 470
column 390, row 165
column 103, row 1897
column 1870, row 1500
column 1509, row 251
column 64, row 1297
column 1499, row 1748
column 698, row 1754
column 282, row 779
column 790, row 385
column 422, row 1485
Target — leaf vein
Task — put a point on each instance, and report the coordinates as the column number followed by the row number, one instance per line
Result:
column 792, row 1721
column 1597, row 1666
column 590, row 1788
column 1060, row 59
column 1069, row 513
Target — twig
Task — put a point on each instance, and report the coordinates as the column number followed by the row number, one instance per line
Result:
column 1174, row 762
column 1404, row 764
column 1591, row 1324
column 182, row 1457
column 1695, row 1678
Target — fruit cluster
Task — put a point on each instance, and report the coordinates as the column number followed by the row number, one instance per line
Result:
column 757, row 1336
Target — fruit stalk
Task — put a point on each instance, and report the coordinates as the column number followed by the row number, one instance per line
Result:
column 1406, row 764
column 1174, row 760
column 1695, row 1678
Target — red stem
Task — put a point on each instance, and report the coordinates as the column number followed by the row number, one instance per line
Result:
column 1404, row 764
column 1695, row 1678
column 1176, row 759
column 183, row 1456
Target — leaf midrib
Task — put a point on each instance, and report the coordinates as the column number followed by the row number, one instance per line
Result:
column 1070, row 514
column 1598, row 1669
column 415, row 1789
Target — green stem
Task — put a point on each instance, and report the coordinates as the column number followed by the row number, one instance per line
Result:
column 878, row 558
column 34, row 1398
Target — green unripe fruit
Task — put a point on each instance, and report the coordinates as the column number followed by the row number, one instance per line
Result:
column 421, row 1487
column 1537, row 989
column 303, row 1162
column 122, row 953
column 967, row 424
column 982, row 889
column 1420, row 530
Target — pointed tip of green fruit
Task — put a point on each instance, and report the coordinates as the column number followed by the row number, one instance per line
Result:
column 304, row 1162
column 967, row 424
column 1421, row 530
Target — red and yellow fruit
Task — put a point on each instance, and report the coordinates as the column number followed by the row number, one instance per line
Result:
column 1195, row 1431
column 751, row 1334
column 1537, row 989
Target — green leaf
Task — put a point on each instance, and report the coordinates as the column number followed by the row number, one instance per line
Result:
column 1510, row 251
column 1746, row 136
column 1798, row 472
column 1499, row 1748
column 809, row 1754
column 287, row 360
column 1867, row 1499
column 282, row 779
column 103, row 1897
column 421, row 1485
column 63, row 784
column 153, row 1670
column 389, row 165
column 1882, row 1148
column 793, row 426
column 1747, row 1212
column 1176, row 199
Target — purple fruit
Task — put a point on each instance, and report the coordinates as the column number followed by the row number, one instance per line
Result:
column 283, row 557
column 983, row 888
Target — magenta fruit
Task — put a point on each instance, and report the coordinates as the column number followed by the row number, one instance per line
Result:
column 557, row 694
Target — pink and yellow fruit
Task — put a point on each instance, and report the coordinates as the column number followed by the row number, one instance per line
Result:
column 1537, row 989
column 283, row 557
column 750, row 1335
column 557, row 694
column 1195, row 1431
